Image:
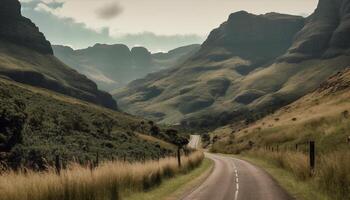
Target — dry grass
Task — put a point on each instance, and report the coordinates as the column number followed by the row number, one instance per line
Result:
column 332, row 172
column 112, row 180
column 296, row 162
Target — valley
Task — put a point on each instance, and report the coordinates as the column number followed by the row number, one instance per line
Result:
column 114, row 66
column 258, row 111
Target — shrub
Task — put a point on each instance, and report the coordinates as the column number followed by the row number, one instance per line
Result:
column 345, row 114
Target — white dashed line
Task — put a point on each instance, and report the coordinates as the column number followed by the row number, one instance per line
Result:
column 237, row 180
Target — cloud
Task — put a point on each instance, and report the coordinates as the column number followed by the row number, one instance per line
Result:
column 109, row 11
column 64, row 30
column 32, row 4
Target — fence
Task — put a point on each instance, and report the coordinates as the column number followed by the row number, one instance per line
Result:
column 60, row 163
column 310, row 147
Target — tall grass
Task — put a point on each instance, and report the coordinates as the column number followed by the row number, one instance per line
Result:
column 110, row 181
column 332, row 172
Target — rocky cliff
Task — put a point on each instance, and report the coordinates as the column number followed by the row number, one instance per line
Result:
column 20, row 30
column 258, row 38
column 325, row 35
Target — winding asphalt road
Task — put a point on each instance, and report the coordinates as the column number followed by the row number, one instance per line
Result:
column 235, row 179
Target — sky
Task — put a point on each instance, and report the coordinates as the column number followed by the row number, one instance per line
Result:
column 159, row 25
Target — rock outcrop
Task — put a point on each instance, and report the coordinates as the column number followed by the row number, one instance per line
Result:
column 19, row 30
column 257, row 38
column 325, row 35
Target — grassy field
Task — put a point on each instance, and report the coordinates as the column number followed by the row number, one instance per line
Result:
column 111, row 180
column 323, row 117
column 174, row 188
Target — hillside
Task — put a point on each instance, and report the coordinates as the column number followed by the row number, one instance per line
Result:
column 322, row 115
column 38, row 124
column 114, row 66
column 244, row 71
column 27, row 57
column 282, row 140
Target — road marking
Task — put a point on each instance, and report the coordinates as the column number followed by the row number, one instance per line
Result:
column 237, row 180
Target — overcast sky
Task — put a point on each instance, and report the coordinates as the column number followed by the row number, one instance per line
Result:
column 157, row 24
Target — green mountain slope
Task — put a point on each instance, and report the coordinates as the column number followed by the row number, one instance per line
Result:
column 114, row 66
column 38, row 124
column 244, row 71
column 26, row 57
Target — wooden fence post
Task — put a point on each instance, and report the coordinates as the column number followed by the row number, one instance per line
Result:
column 179, row 157
column 97, row 161
column 58, row 164
column 312, row 155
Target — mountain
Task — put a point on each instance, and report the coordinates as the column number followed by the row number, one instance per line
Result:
column 27, row 57
column 175, row 56
column 114, row 66
column 248, row 67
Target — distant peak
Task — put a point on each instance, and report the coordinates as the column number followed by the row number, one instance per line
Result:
column 139, row 48
column 239, row 14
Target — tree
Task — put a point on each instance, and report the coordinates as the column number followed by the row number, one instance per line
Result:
column 205, row 137
column 155, row 130
column 180, row 142
column 142, row 126
column 172, row 133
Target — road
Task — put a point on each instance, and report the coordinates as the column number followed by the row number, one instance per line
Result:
column 194, row 142
column 235, row 179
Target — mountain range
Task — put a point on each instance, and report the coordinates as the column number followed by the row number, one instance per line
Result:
column 248, row 67
column 114, row 66
column 27, row 57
